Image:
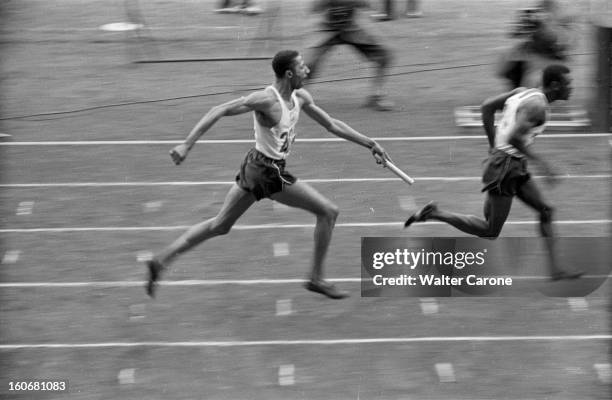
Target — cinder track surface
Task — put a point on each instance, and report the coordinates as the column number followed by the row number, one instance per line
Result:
column 72, row 304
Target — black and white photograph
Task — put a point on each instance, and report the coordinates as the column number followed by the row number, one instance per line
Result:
column 305, row 199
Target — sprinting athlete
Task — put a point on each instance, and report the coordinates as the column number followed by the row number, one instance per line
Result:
column 547, row 36
column 262, row 174
column 505, row 174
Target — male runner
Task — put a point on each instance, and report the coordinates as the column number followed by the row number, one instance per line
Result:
column 262, row 174
column 547, row 37
column 343, row 29
column 505, row 174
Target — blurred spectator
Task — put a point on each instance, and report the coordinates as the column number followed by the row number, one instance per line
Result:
column 412, row 10
column 546, row 37
column 245, row 7
column 341, row 27
column 387, row 14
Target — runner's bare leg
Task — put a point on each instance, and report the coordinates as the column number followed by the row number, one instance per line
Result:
column 496, row 211
column 237, row 201
column 303, row 196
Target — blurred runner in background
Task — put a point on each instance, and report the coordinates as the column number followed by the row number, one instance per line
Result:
column 412, row 10
column 245, row 7
column 341, row 27
column 546, row 37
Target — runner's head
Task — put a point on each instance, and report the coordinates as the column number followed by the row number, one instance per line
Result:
column 289, row 65
column 556, row 82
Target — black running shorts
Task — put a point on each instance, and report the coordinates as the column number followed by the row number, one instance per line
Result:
column 263, row 176
column 504, row 174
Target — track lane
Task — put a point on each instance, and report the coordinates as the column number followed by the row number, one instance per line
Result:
column 332, row 160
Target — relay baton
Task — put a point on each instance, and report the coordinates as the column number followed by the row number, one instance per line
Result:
column 398, row 172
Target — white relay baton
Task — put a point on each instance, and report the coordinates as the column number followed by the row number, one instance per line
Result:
column 398, row 172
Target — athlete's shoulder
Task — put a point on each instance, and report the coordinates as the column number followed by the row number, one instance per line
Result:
column 496, row 103
column 525, row 92
column 533, row 110
column 533, row 98
column 515, row 93
column 518, row 90
column 304, row 96
column 261, row 98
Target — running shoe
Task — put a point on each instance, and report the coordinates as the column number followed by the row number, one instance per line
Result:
column 326, row 289
column 422, row 214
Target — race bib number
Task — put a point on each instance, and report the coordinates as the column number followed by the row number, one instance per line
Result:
column 287, row 138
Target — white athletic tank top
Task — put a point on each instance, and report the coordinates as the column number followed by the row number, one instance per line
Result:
column 275, row 142
column 508, row 120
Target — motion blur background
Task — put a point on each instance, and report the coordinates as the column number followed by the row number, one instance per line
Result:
column 88, row 192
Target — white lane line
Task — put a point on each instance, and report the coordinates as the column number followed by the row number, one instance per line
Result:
column 346, row 341
column 302, row 140
column 151, row 28
column 211, row 282
column 120, row 27
column 276, row 205
column 113, row 184
column 270, row 226
column 191, row 282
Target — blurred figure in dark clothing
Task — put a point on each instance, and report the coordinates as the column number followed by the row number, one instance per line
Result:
column 412, row 10
column 245, row 7
column 342, row 28
column 545, row 37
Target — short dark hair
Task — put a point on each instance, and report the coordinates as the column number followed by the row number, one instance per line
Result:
column 553, row 73
column 282, row 61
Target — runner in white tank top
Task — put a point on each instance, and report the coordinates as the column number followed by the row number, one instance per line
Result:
column 505, row 174
column 275, row 142
column 507, row 124
column 262, row 172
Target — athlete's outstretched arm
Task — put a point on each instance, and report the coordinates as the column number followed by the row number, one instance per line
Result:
column 340, row 128
column 488, row 109
column 254, row 101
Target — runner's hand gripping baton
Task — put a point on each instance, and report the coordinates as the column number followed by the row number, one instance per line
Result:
column 388, row 164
